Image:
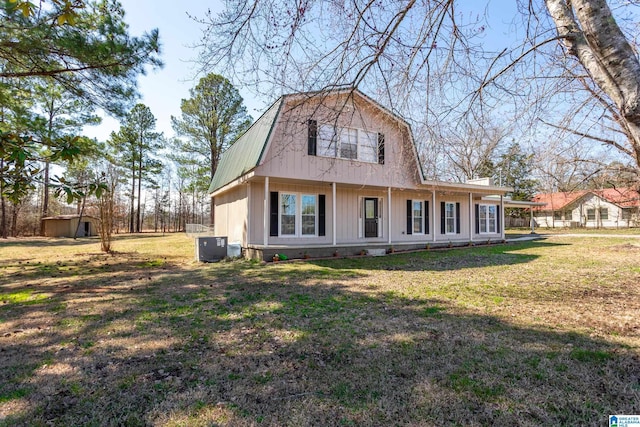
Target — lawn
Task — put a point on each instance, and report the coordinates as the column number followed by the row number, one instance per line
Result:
column 534, row 333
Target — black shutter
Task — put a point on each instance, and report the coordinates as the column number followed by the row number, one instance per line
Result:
column 313, row 137
column 426, row 217
column 409, row 222
column 498, row 219
column 381, row 148
column 457, row 217
column 321, row 215
column 273, row 228
column 477, row 218
column 443, row 225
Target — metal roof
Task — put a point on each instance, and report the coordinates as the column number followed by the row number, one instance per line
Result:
column 245, row 153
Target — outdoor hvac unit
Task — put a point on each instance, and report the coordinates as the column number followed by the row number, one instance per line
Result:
column 210, row 249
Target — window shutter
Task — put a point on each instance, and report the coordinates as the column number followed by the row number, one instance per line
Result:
column 409, row 222
column 381, row 148
column 498, row 219
column 321, row 215
column 313, row 137
column 477, row 218
column 457, row 217
column 443, row 225
column 273, row 226
column 426, row 217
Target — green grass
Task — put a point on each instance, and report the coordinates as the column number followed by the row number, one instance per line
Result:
column 530, row 333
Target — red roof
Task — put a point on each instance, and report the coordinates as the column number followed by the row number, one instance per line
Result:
column 623, row 197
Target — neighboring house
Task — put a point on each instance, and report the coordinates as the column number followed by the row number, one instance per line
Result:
column 608, row 208
column 328, row 172
column 67, row 226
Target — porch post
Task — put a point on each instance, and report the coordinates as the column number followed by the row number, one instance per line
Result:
column 265, row 233
column 334, row 212
column 433, row 214
column 389, row 214
column 471, row 217
column 533, row 226
column 502, row 215
column 248, row 216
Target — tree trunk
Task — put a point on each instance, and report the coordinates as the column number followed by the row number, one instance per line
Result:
column 133, row 195
column 45, row 197
column 3, row 206
column 138, row 213
column 75, row 235
column 591, row 34
column 14, row 220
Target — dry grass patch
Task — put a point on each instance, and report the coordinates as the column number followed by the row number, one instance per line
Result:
column 528, row 334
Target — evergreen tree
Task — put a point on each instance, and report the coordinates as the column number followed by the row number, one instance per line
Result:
column 134, row 145
column 212, row 119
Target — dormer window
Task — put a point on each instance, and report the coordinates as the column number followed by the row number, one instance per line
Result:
column 326, row 140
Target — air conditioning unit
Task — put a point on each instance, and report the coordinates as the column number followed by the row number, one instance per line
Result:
column 210, row 249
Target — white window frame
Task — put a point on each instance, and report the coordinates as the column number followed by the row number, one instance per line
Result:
column 281, row 195
column 298, row 214
column 332, row 148
column 452, row 217
column 487, row 221
column 315, row 215
column 413, row 217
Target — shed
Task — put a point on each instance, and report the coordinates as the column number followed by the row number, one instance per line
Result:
column 67, row 225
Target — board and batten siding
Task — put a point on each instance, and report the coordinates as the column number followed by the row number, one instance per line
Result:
column 231, row 213
column 287, row 154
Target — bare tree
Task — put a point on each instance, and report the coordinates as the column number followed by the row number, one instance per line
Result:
column 573, row 61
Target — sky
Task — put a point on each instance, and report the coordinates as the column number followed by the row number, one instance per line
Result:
column 163, row 89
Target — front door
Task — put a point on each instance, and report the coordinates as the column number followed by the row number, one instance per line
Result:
column 370, row 217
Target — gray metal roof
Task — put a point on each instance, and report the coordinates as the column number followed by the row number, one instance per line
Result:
column 245, row 153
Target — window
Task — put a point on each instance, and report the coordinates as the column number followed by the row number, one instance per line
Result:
column 298, row 222
column 450, row 218
column 604, row 213
column 557, row 215
column 368, row 147
column 417, row 217
column 487, row 218
column 287, row 214
column 308, row 213
column 327, row 141
column 591, row 214
column 493, row 218
column 626, row 214
column 348, row 143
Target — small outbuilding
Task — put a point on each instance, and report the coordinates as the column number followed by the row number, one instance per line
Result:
column 67, row 226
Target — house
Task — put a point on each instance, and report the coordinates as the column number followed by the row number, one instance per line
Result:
column 335, row 171
column 67, row 226
column 607, row 208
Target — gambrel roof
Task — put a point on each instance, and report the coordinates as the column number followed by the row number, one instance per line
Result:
column 245, row 154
